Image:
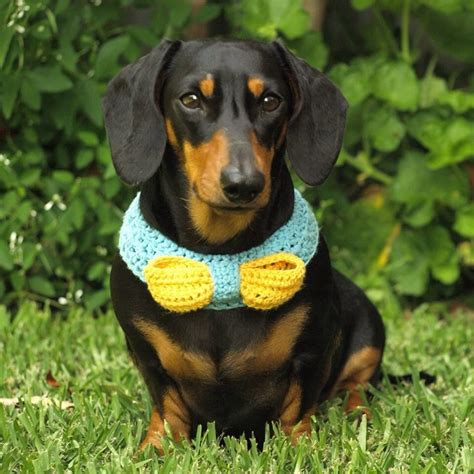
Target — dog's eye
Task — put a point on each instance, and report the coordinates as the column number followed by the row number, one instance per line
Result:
column 271, row 103
column 191, row 101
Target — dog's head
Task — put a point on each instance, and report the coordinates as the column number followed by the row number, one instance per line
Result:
column 226, row 109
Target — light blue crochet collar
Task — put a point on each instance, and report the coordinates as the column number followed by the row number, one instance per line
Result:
column 139, row 243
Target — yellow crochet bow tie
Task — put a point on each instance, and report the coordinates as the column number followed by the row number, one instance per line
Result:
column 181, row 284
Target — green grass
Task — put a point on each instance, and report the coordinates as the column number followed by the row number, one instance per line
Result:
column 413, row 428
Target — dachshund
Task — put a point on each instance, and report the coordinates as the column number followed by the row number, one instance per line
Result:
column 203, row 128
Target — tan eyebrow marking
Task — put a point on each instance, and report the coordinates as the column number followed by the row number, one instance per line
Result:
column 255, row 85
column 206, row 85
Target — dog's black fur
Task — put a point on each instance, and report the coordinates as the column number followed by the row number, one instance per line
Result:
column 156, row 141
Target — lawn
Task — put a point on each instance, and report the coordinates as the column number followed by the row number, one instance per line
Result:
column 413, row 428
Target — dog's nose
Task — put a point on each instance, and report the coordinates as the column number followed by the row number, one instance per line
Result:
column 241, row 188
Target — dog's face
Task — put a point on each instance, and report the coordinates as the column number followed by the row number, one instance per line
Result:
column 226, row 108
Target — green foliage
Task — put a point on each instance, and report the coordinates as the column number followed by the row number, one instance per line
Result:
column 397, row 210
column 413, row 133
column 60, row 200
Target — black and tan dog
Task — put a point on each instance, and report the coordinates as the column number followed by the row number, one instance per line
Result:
column 204, row 127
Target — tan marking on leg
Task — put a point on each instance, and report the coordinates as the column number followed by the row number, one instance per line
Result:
column 255, row 86
column 175, row 413
column 207, row 85
column 303, row 427
column 291, row 424
column 290, row 408
column 156, row 430
column 179, row 363
column 355, row 400
column 273, row 351
column 356, row 374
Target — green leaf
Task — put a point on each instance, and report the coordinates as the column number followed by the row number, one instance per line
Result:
column 254, row 17
column 49, row 79
column 356, row 79
column 33, row 156
column 465, row 251
column 4, row 314
column 458, row 145
column 431, row 89
column 61, row 6
column 23, row 212
column 295, row 23
column 103, row 154
column 207, row 13
column 42, row 286
column 383, row 128
column 83, row 158
column 111, row 187
column 371, row 220
column 30, row 94
column 29, row 254
column 179, row 14
column 447, row 272
column 444, row 261
column 6, row 35
column 428, row 128
column 73, row 216
column 107, row 57
column 88, row 138
column 416, row 183
column 6, row 260
column 396, row 83
column 449, row 140
column 96, row 271
column 311, row 47
column 450, row 33
column 362, row 4
column 89, row 100
column 464, row 223
column 62, row 110
column 459, row 101
column 418, row 214
column 68, row 56
column 30, row 176
column 96, row 299
column 439, row 246
column 409, row 265
column 415, row 253
column 63, row 177
column 9, row 91
column 444, row 6
column 77, row 209
column 17, row 280
column 8, row 178
column 142, row 34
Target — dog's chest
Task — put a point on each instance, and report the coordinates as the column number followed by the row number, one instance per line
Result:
column 229, row 366
column 215, row 347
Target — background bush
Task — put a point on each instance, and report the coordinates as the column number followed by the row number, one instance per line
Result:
column 397, row 211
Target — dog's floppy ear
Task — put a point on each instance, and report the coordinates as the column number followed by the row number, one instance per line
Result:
column 316, row 127
column 133, row 120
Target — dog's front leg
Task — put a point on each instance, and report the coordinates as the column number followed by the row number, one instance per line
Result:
column 174, row 412
column 292, row 423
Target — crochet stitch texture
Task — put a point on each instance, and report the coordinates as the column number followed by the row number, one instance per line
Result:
column 182, row 280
